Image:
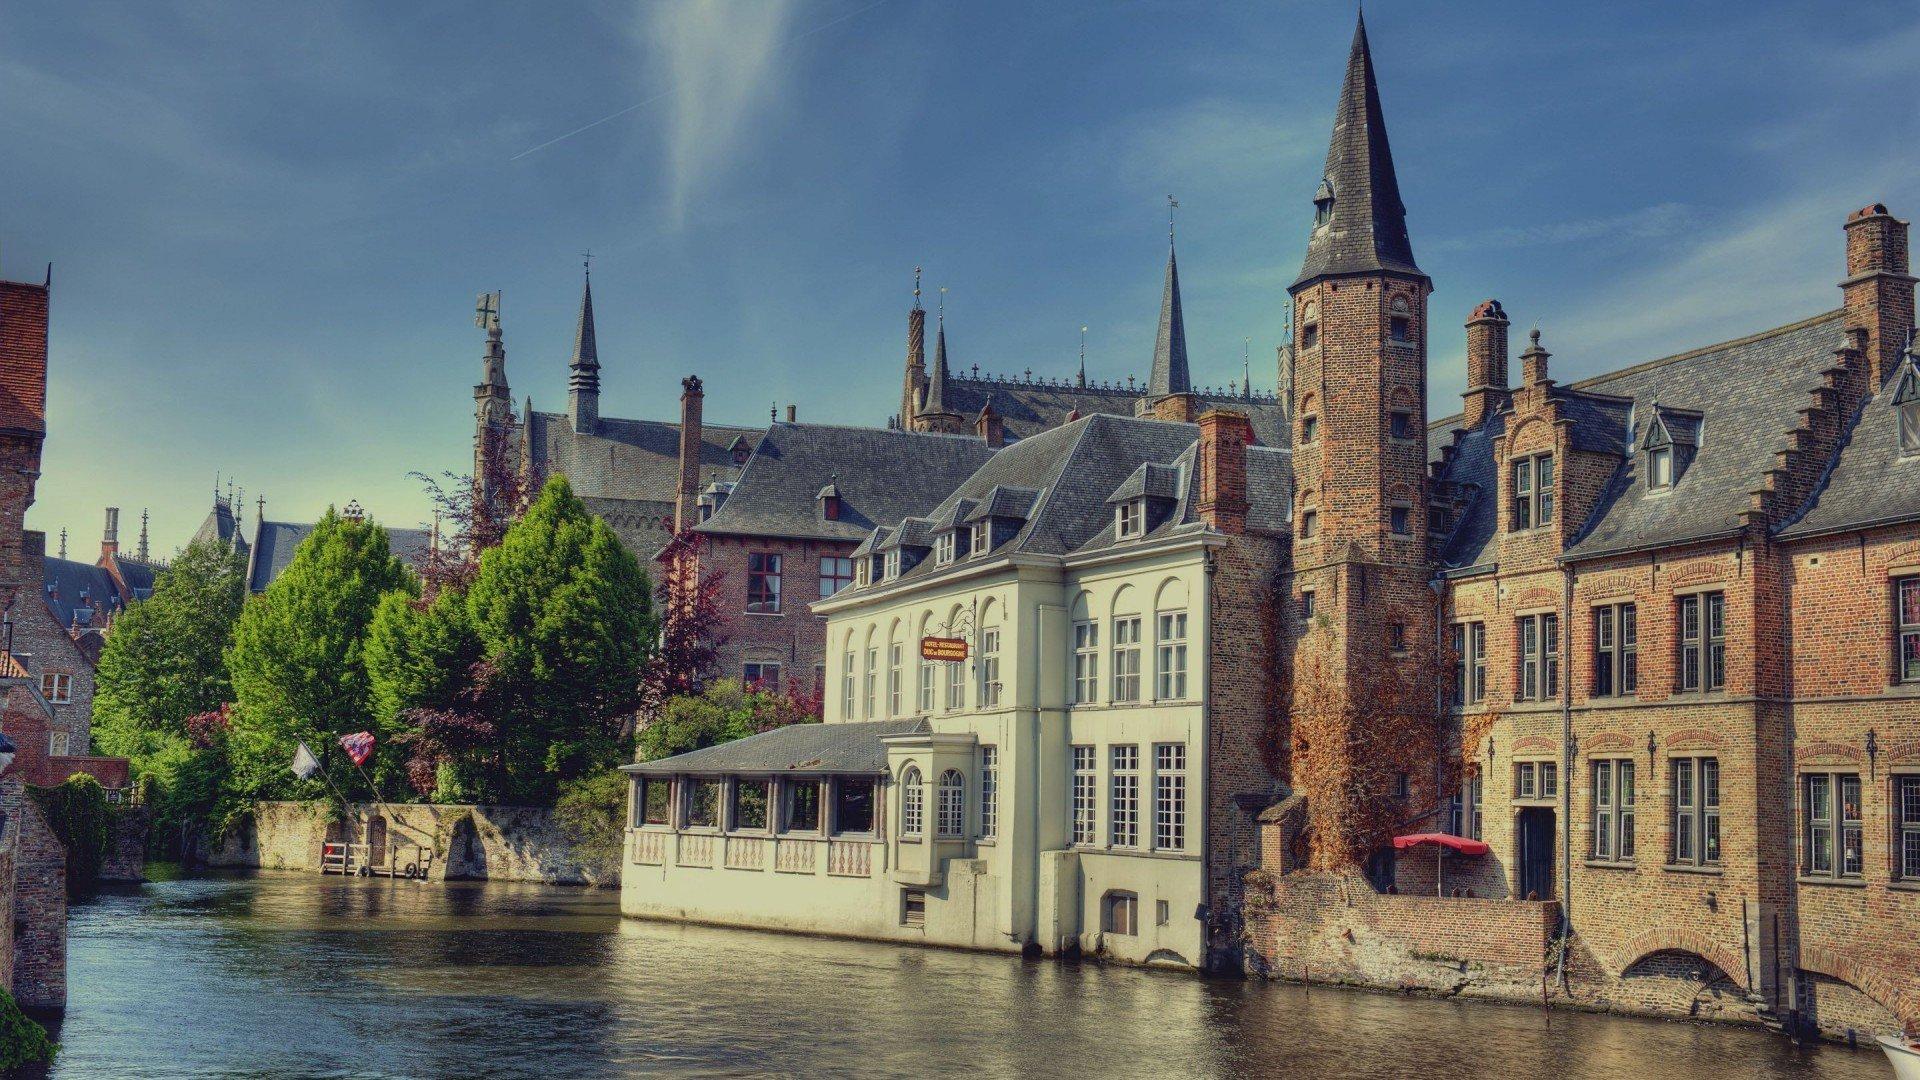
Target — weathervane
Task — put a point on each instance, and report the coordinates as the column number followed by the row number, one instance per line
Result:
column 1172, row 205
column 486, row 311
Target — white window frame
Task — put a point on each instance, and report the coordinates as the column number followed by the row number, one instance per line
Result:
column 849, row 686
column 950, row 809
column 1539, row 655
column 927, row 690
column 1906, row 628
column 1170, row 656
column 896, row 678
column 1532, row 503
column 943, row 548
column 1085, row 796
column 1702, row 634
column 1123, row 821
column 1616, row 650
column 1832, row 844
column 1695, row 791
column 990, row 667
column 989, row 792
column 913, row 796
column 1170, row 796
column 870, row 699
column 1906, row 811
column 980, row 538
column 1086, row 662
column 1126, row 658
column 1614, row 810
column 1130, row 519
column 57, row 687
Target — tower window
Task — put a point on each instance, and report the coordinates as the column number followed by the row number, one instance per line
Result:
column 1400, row 520
column 1323, row 204
column 1400, row 424
column 1400, row 322
column 1309, row 429
column 1310, row 325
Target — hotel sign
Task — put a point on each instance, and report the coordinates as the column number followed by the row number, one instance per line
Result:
column 949, row 649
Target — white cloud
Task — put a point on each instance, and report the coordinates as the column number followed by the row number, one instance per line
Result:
column 720, row 61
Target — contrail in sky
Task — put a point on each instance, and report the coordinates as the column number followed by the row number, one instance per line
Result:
column 669, row 93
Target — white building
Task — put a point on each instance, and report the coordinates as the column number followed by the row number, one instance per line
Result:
column 1059, row 788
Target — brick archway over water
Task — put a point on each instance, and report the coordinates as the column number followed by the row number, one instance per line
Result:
column 1669, row 940
column 1873, row 980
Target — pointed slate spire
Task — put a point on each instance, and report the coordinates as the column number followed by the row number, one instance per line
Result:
column 1170, row 347
column 583, row 371
column 935, row 402
column 1360, row 224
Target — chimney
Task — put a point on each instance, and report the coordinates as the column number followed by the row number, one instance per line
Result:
column 110, row 539
column 1878, row 290
column 990, row 427
column 1533, row 362
column 793, row 414
column 1486, row 362
column 686, row 509
column 1222, row 464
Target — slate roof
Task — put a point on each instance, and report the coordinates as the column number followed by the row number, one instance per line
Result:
column 75, row 591
column 797, row 748
column 1870, row 482
column 1747, row 393
column 1151, row 480
column 1028, row 407
column 137, row 574
column 219, row 525
column 1169, row 372
column 1368, row 228
column 881, row 476
column 274, row 543
column 1072, row 471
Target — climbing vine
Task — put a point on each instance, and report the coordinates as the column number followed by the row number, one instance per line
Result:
column 22, row 1040
column 79, row 814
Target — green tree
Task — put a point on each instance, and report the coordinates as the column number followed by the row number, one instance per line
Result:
column 419, row 654
column 296, row 660
column 726, row 710
column 564, row 618
column 165, row 660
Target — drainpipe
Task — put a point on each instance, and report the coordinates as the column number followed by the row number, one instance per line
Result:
column 1567, row 772
column 1212, row 564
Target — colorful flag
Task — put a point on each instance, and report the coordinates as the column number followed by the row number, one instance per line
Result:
column 359, row 746
column 305, row 765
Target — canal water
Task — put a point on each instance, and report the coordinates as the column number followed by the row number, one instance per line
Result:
column 295, row 975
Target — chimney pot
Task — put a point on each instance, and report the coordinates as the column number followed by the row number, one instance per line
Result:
column 793, row 414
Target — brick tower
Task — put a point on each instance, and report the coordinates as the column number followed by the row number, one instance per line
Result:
column 1364, row 735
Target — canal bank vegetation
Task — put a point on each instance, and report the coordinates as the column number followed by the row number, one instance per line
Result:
column 23, row 1041
column 83, row 820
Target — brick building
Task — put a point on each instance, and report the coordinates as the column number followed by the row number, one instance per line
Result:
column 1676, row 609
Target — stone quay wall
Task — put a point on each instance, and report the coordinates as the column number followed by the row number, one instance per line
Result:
column 455, row 842
column 33, row 893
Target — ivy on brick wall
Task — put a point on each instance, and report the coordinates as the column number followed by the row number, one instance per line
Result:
column 79, row 814
column 22, row 1041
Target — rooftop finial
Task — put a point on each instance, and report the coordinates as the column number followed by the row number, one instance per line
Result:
column 1246, row 365
column 943, row 303
column 586, row 261
column 916, row 288
column 1083, row 356
column 1172, row 205
column 63, row 541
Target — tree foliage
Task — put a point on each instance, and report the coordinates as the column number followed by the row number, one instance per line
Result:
column 22, row 1040
column 79, row 814
column 297, row 656
column 691, row 629
column 724, row 711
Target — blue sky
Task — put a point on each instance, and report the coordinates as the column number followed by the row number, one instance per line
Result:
column 268, row 222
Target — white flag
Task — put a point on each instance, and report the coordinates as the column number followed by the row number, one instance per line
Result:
column 305, row 765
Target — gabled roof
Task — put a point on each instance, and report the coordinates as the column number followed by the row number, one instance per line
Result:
column 76, row 591
column 1368, row 228
column 626, row 459
column 881, row 476
column 1151, row 480
column 1871, row 481
column 807, row 749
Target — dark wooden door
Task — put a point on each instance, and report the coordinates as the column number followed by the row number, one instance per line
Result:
column 1536, row 852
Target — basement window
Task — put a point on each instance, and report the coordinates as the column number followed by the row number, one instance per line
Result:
column 1120, row 914
column 913, row 907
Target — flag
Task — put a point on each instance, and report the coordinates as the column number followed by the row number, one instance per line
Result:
column 359, row 746
column 305, row 765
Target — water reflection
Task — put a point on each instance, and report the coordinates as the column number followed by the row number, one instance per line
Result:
column 296, row 975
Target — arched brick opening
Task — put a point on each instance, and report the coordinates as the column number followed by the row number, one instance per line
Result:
column 1876, row 981
column 1682, row 941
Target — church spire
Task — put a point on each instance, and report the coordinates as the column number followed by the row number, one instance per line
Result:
column 935, row 404
column 583, row 371
column 1359, row 222
column 1170, row 347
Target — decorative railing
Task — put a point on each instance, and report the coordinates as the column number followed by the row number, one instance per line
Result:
column 849, row 859
column 650, row 848
column 796, row 856
column 695, row 850
column 746, row 852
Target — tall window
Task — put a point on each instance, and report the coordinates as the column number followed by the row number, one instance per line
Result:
column 1616, row 651
column 943, row 548
column 1086, row 662
column 800, row 806
column 1906, row 600
column 763, row 582
column 896, row 677
column 989, row 792
column 1130, row 519
column 1532, row 492
column 1660, row 467
column 1476, row 819
column 835, row 574
column 1124, row 814
column 655, row 804
column 1832, row 819
column 1170, row 669
column 1696, row 811
column 1126, row 658
column 990, row 667
column 913, row 801
column 846, row 684
column 980, row 537
column 872, row 681
column 1703, row 641
column 750, row 803
column 56, row 687
column 1470, row 665
column 1169, row 796
column 1085, row 792
column 1309, row 524
column 1539, row 657
column 1906, row 804
column 1400, row 322
column 956, row 686
column 1613, row 810
column 853, row 804
column 951, row 816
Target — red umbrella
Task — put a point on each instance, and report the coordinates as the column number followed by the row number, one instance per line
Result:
column 1442, row 842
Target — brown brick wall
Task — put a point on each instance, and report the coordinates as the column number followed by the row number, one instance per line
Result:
column 795, row 638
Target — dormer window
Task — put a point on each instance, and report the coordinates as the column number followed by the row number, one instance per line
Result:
column 1130, row 519
column 1660, row 468
column 893, row 564
column 738, row 450
column 1323, row 204
column 860, row 576
column 1400, row 322
column 830, row 508
column 982, row 537
column 1532, row 493
column 943, row 548
column 1907, row 400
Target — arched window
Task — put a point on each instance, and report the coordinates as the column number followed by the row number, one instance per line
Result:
column 869, row 697
column 1086, row 652
column 1170, row 641
column 1126, row 645
column 847, row 687
column 913, row 801
column 956, row 671
column 988, row 662
column 929, row 671
column 896, row 673
column 952, row 817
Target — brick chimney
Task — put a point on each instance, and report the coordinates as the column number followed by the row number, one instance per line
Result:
column 1486, row 362
column 1878, row 290
column 686, row 508
column 110, row 538
column 1224, row 436
column 1533, row 362
column 990, row 427
column 793, row 414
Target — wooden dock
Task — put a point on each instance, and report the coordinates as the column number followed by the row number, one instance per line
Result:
column 410, row 861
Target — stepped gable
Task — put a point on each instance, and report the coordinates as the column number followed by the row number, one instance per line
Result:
column 1870, row 482
column 879, row 475
column 1748, row 395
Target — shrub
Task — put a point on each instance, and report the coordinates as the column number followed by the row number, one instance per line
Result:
column 22, row 1040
